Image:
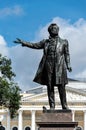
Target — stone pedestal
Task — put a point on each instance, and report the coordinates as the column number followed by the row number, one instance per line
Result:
column 57, row 120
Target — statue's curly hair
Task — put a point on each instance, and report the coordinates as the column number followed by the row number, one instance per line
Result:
column 51, row 25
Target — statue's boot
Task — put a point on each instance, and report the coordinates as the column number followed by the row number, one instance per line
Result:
column 62, row 94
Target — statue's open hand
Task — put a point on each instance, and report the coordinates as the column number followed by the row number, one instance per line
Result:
column 18, row 41
column 69, row 69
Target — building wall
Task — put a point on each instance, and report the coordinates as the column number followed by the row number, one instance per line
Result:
column 79, row 117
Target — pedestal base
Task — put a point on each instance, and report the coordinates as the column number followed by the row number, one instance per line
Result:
column 57, row 120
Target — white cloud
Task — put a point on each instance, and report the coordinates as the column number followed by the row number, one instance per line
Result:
column 25, row 61
column 75, row 33
column 9, row 11
column 81, row 74
column 3, row 46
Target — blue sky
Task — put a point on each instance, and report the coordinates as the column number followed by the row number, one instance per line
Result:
column 29, row 19
column 34, row 14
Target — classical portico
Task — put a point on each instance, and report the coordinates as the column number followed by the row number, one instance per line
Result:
column 31, row 108
column 33, row 111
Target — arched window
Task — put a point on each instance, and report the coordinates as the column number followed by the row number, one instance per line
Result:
column 27, row 128
column 14, row 128
column 79, row 128
column 2, row 128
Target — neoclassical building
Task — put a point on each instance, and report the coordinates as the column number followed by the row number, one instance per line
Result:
column 32, row 107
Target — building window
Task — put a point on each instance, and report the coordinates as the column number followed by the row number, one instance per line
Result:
column 2, row 128
column 14, row 128
column 79, row 128
column 27, row 128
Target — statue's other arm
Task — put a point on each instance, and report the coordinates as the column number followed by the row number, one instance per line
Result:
column 67, row 56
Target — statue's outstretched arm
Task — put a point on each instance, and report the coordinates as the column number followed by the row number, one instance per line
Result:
column 38, row 45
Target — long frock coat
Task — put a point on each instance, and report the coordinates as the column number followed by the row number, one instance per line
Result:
column 61, row 64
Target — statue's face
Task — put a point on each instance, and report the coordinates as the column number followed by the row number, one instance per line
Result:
column 55, row 30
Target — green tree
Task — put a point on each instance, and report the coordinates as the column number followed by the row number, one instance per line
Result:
column 9, row 90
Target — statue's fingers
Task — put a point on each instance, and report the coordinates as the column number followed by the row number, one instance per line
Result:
column 18, row 39
column 15, row 41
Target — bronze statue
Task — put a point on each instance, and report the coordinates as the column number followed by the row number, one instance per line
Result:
column 52, row 70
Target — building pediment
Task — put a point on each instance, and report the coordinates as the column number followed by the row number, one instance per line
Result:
column 73, row 95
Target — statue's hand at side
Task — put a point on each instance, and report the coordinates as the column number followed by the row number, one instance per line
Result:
column 69, row 69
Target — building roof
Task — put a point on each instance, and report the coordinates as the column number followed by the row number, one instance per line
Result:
column 73, row 90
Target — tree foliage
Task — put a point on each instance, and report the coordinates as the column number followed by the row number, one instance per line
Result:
column 9, row 90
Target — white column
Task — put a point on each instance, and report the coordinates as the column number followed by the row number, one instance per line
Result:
column 73, row 115
column 33, row 120
column 20, row 120
column 84, row 120
column 8, row 120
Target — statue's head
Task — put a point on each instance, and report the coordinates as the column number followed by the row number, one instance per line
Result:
column 53, row 29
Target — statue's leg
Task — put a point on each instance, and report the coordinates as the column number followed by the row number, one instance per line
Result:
column 51, row 99
column 62, row 95
column 50, row 82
